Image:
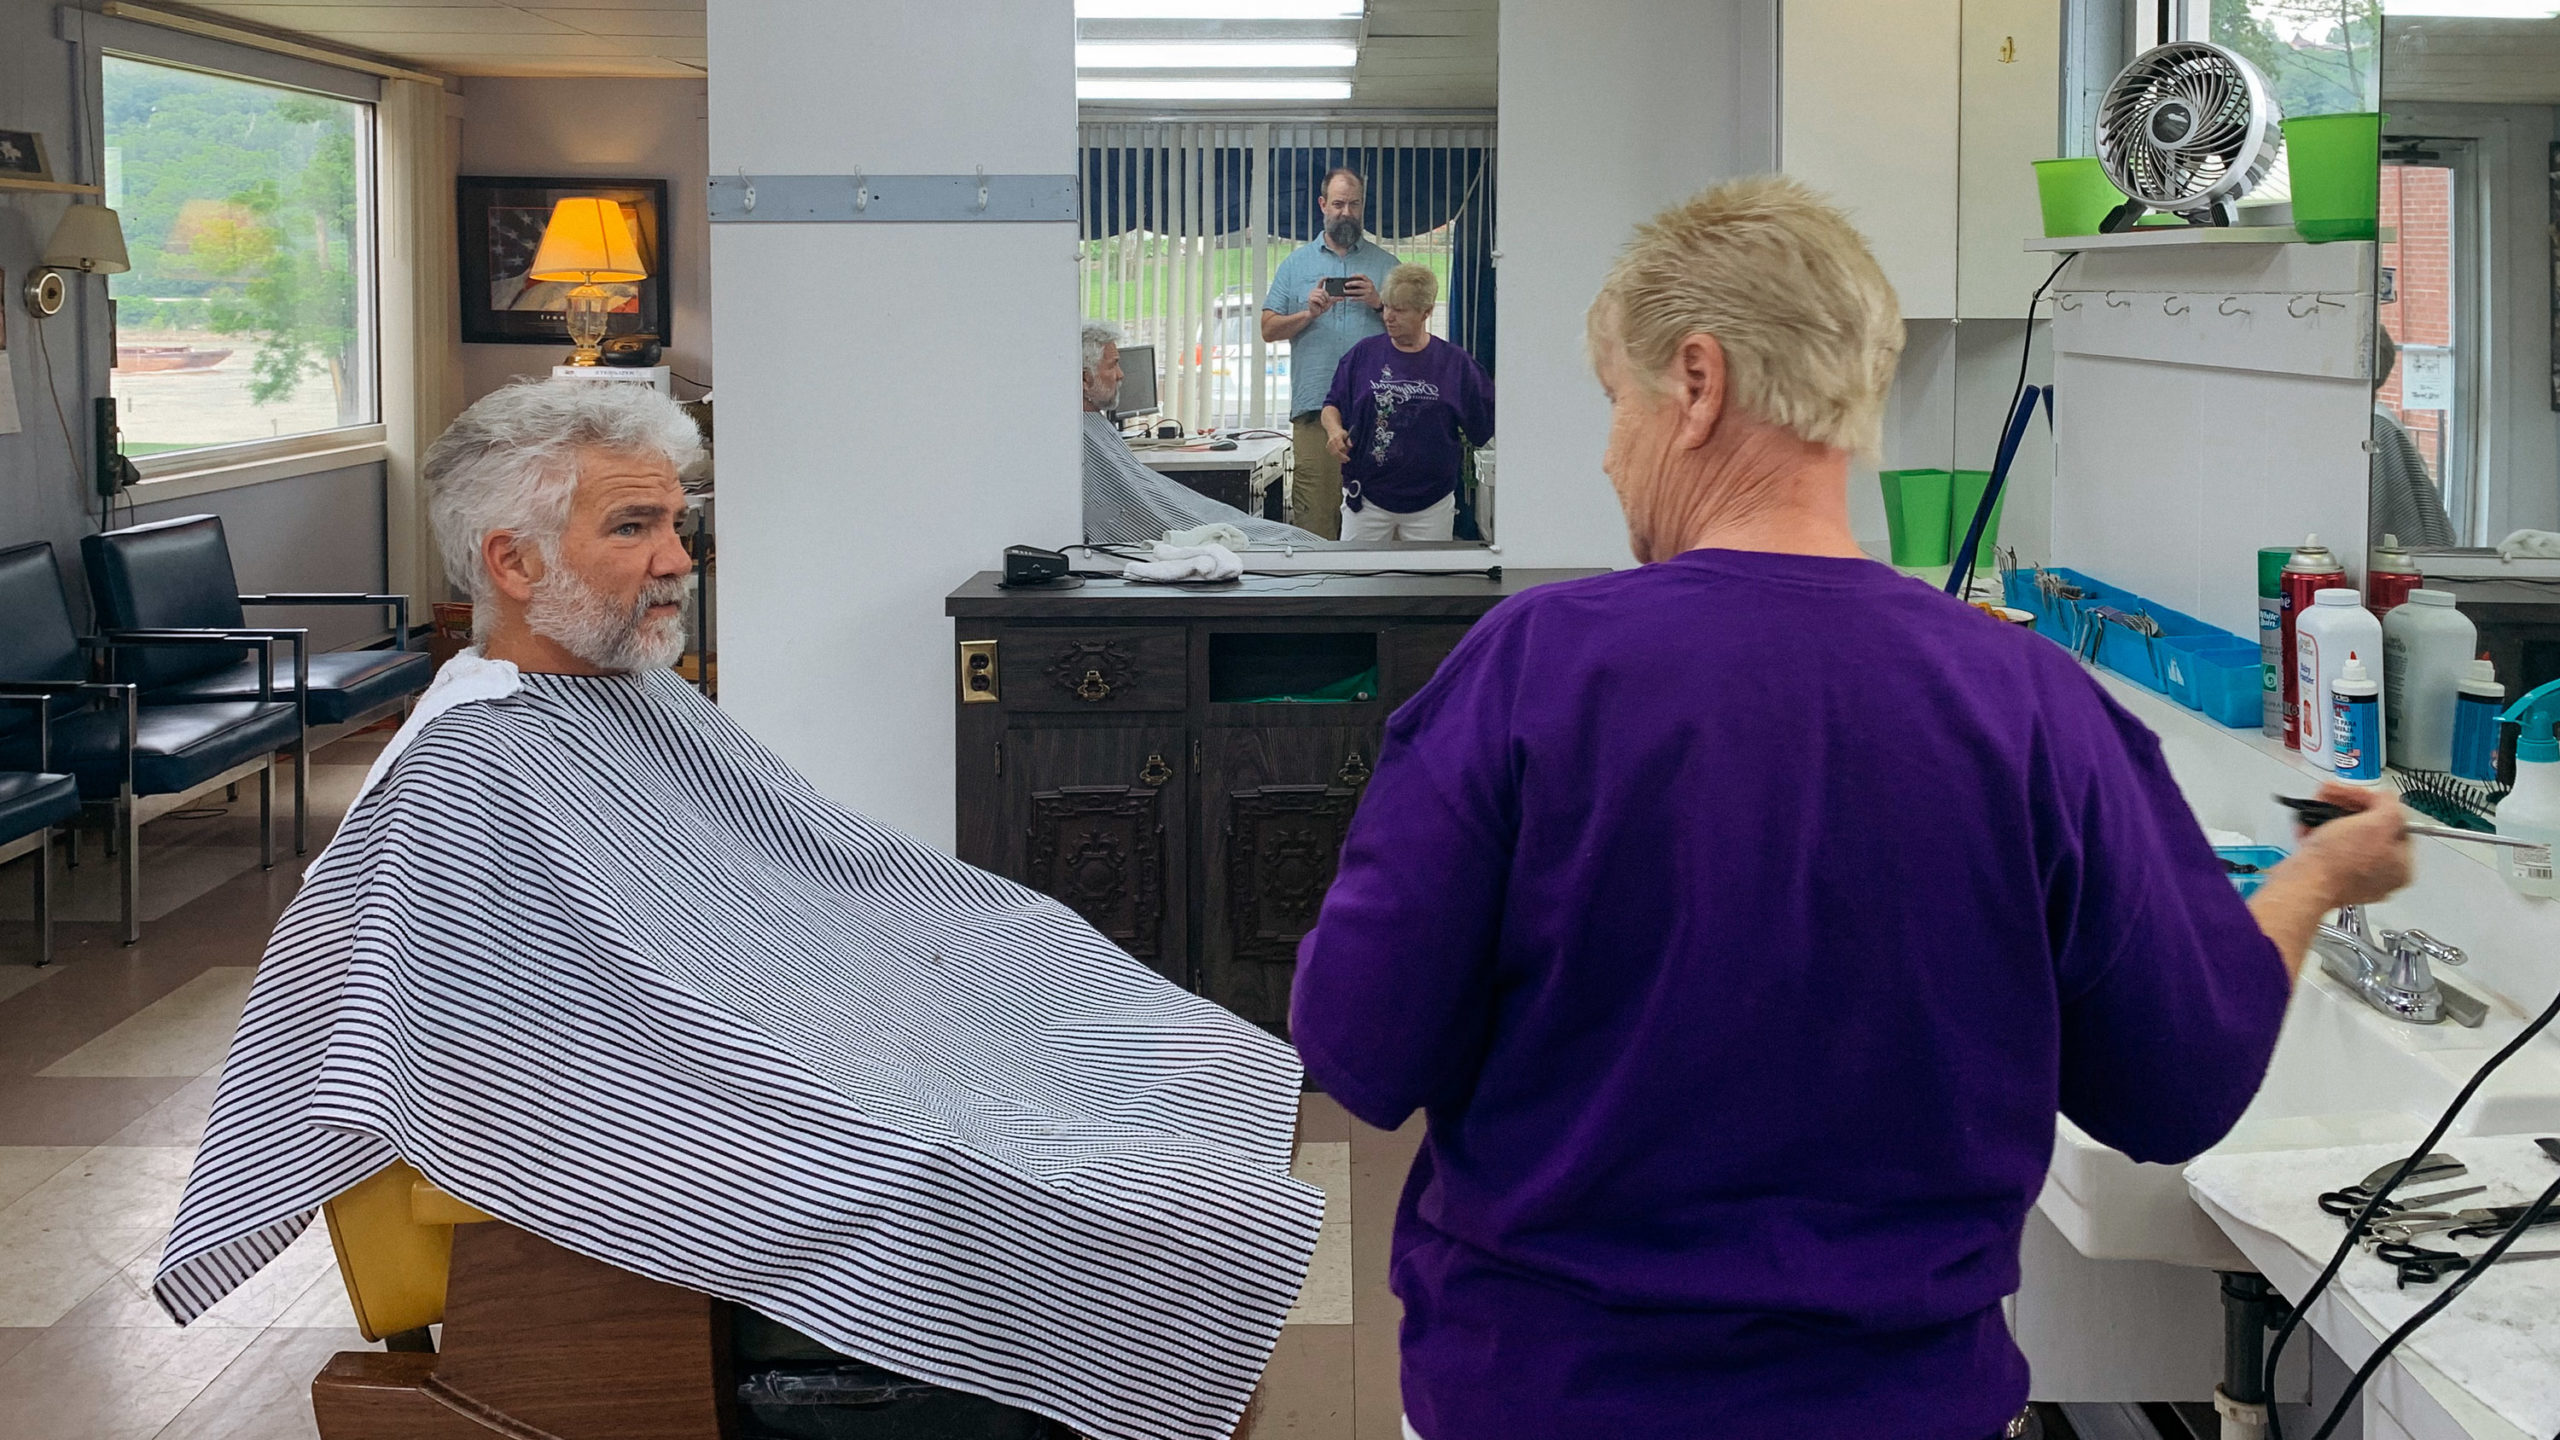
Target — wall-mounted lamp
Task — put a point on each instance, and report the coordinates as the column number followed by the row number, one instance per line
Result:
column 90, row 240
column 587, row 242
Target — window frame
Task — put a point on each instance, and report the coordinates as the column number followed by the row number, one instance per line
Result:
column 177, row 474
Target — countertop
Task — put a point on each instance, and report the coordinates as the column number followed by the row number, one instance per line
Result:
column 1458, row 595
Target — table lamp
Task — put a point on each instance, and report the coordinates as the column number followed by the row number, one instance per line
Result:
column 89, row 239
column 587, row 242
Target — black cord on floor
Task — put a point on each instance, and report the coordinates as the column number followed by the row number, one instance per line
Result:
column 2382, row 1193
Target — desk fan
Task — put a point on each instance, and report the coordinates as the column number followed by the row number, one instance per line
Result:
column 2187, row 129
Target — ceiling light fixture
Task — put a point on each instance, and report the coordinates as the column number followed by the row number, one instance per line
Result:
column 1161, row 55
column 1218, row 9
column 1114, row 89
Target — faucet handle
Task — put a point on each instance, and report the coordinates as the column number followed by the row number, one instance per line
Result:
column 2434, row 949
column 2410, row 953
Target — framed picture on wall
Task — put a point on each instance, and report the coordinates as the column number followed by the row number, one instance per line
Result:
column 22, row 156
column 501, row 219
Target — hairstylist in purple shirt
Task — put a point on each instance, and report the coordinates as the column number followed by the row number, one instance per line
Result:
column 1743, row 920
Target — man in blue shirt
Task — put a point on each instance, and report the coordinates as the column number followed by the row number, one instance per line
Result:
column 1321, row 324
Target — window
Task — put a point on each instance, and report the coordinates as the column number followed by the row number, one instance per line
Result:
column 1184, row 224
column 248, row 315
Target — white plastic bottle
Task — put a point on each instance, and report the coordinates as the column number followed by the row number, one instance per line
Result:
column 2336, row 623
column 2531, row 811
column 2426, row 650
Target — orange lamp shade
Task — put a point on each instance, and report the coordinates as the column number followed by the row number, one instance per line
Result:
column 586, row 241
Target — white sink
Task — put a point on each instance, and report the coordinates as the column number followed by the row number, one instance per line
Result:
column 2343, row 1074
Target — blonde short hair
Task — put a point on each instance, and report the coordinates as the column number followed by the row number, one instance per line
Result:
column 1410, row 287
column 1810, row 327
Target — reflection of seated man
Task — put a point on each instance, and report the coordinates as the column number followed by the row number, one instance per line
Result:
column 1125, row 503
column 2402, row 498
column 595, row 961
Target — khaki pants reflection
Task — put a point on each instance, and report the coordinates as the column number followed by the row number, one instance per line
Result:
column 1315, row 480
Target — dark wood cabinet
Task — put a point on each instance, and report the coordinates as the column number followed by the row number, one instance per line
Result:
column 1180, row 765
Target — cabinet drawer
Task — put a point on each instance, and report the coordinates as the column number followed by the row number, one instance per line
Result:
column 1095, row 671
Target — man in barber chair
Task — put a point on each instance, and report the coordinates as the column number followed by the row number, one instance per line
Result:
column 598, row 965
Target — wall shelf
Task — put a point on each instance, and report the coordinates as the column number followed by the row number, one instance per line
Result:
column 2171, row 237
column 48, row 187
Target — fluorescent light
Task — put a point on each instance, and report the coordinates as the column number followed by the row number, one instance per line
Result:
column 1093, row 89
column 1218, row 9
column 2476, row 9
column 1161, row 55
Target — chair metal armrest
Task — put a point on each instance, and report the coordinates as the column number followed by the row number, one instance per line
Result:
column 264, row 642
column 43, row 706
column 399, row 605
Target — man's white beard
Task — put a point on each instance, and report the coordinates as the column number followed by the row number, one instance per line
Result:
column 591, row 625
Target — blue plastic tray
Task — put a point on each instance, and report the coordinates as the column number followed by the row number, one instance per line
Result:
column 2262, row 856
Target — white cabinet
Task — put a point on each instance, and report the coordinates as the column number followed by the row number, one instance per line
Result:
column 1921, row 118
column 1867, row 106
column 2009, row 117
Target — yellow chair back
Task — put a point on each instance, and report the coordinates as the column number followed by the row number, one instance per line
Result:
column 394, row 1237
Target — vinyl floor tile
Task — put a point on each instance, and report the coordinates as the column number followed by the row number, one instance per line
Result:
column 172, row 876
column 125, row 1301
column 265, row 1394
column 19, row 972
column 110, row 1186
column 79, row 1112
column 46, row 1271
column 323, row 1302
column 1326, row 1298
column 24, row 1167
column 178, row 1120
column 1322, row 1118
column 105, row 1384
column 183, row 1033
column 1303, row 1396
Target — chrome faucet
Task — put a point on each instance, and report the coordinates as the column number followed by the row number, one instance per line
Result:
column 2393, row 969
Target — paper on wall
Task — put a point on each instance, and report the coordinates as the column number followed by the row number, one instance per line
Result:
column 8, row 397
column 2426, row 378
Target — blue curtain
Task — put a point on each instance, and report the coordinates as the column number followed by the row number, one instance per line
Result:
column 1126, row 188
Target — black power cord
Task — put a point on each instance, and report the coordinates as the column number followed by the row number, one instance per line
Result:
column 1991, row 493
column 2382, row 1193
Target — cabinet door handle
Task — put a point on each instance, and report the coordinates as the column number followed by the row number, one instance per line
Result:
column 1156, row 771
column 1093, row 688
column 1355, row 770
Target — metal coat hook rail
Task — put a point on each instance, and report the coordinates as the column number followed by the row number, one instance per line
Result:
column 926, row 199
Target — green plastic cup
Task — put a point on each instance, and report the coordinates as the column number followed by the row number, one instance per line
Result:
column 1965, row 497
column 2337, row 175
column 2076, row 195
column 1916, row 508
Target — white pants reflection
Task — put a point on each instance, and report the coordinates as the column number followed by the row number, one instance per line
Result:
column 1409, row 1432
column 1373, row 522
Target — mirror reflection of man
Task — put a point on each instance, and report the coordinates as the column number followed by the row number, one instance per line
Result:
column 1321, row 324
column 1125, row 503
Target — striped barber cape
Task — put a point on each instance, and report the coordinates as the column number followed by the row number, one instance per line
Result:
column 598, row 963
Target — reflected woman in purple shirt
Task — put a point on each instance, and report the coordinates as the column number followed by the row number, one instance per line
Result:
column 1742, row 920
column 1403, row 409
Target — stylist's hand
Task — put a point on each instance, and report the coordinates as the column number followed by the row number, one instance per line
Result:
column 2353, row 860
column 2363, row 857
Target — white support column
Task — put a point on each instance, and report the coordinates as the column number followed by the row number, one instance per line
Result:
column 897, row 400
column 1611, row 110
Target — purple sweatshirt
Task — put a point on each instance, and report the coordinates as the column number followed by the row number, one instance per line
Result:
column 1404, row 413
column 1741, row 922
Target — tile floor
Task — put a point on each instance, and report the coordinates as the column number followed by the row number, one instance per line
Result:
column 108, row 1060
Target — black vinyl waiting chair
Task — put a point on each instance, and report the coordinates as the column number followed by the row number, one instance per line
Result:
column 115, row 749
column 33, row 801
column 176, row 575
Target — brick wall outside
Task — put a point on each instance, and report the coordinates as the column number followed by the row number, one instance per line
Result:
column 2417, row 202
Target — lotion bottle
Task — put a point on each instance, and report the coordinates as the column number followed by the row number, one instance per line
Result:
column 2336, row 623
column 2532, row 810
column 2426, row 649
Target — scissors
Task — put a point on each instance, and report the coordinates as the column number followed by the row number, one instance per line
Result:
column 2348, row 1203
column 2417, row 1265
column 2430, row 1168
column 2460, row 1224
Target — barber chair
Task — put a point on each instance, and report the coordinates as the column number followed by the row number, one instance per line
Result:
column 33, row 801
column 537, row 1341
column 175, row 575
column 115, row 750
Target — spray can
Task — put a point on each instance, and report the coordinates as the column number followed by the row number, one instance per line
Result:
column 2271, row 561
column 2355, row 724
column 2477, row 699
column 2389, row 576
column 2308, row 571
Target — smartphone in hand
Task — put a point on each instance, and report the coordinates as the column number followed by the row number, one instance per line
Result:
column 1337, row 284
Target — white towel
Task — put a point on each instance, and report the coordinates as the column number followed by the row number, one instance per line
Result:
column 1186, row 562
column 1217, row 534
column 2539, row 544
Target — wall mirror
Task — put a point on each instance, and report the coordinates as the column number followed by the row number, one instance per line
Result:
column 1207, row 133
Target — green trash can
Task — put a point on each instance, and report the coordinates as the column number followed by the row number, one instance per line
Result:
column 2337, row 175
column 1967, row 497
column 1917, row 504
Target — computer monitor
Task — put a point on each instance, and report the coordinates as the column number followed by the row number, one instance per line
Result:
column 1137, row 381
